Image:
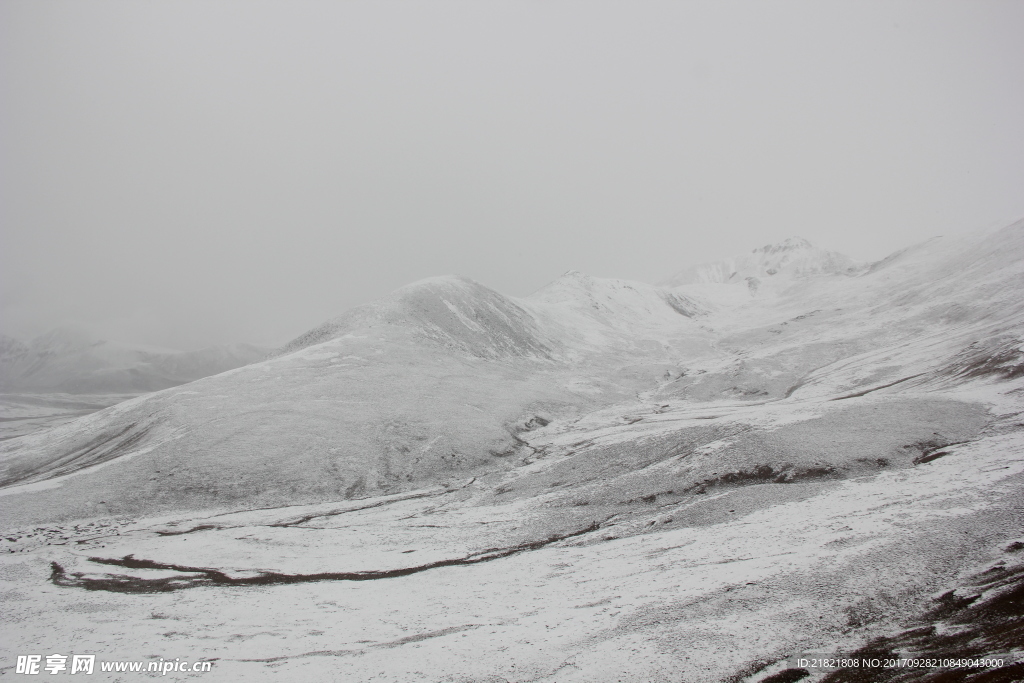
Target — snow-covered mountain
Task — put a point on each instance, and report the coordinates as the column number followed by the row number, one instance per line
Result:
column 793, row 257
column 68, row 360
column 779, row 454
column 453, row 312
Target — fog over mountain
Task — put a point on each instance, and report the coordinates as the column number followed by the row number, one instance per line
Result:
column 192, row 173
column 781, row 453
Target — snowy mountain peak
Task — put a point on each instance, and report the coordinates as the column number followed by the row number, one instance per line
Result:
column 450, row 311
column 437, row 282
column 788, row 244
column 792, row 257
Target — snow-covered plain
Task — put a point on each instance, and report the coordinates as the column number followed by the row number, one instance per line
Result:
column 780, row 454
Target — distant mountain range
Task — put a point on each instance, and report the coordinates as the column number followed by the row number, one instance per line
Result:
column 70, row 361
column 445, row 368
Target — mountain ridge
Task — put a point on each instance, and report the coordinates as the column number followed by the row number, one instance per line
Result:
column 578, row 341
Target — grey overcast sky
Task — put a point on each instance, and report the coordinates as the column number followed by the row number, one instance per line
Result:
column 195, row 172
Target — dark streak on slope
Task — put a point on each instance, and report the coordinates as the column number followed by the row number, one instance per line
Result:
column 333, row 513
column 684, row 305
column 201, row 527
column 1001, row 358
column 302, row 519
column 204, row 576
column 44, row 417
column 393, row 643
column 790, row 391
column 107, row 446
column 786, row 474
column 884, row 386
column 932, row 449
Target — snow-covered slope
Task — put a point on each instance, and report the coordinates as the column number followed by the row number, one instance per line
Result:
column 595, row 315
column 603, row 481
